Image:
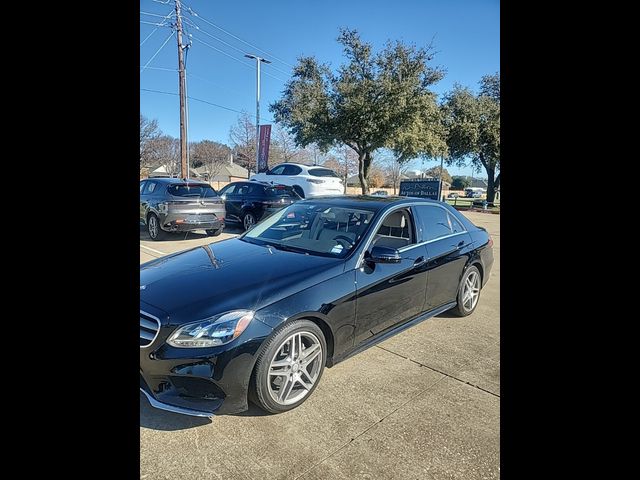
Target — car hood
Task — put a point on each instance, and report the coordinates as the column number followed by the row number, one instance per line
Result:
column 227, row 275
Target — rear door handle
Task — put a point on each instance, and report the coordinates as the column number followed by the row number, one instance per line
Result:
column 461, row 244
column 419, row 261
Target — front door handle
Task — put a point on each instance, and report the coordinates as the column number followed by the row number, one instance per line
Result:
column 419, row 261
column 461, row 244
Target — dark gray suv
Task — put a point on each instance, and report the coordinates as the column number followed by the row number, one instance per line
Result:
column 180, row 205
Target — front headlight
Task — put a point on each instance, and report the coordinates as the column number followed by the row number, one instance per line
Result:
column 213, row 331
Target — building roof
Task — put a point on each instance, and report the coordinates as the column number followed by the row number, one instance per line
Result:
column 226, row 170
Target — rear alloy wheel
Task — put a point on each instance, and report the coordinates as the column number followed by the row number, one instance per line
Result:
column 214, row 233
column 153, row 227
column 468, row 292
column 290, row 367
column 248, row 220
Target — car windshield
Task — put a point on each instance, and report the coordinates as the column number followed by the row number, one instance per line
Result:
column 191, row 190
column 315, row 228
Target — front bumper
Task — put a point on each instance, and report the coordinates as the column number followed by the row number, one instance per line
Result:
column 200, row 381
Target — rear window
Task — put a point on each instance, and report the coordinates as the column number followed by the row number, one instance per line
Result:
column 191, row 190
column 281, row 191
column 322, row 172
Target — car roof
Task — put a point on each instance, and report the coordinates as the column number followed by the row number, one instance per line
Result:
column 301, row 165
column 173, row 181
column 370, row 202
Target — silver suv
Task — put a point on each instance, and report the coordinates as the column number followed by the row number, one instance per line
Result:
column 180, row 205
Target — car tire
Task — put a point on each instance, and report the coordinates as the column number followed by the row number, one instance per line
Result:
column 471, row 281
column 298, row 189
column 153, row 228
column 214, row 232
column 267, row 381
column 248, row 220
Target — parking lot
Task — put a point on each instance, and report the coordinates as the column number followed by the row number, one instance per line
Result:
column 424, row 404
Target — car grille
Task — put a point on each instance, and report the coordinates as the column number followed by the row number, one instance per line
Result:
column 149, row 328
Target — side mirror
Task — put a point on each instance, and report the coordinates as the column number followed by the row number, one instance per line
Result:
column 223, row 196
column 379, row 254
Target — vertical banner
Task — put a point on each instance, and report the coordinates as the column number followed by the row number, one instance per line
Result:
column 263, row 148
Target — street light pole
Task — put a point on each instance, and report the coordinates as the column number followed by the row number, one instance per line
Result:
column 440, row 184
column 258, row 61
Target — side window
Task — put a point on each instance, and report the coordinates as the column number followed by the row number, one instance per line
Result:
column 255, row 189
column 278, row 170
column 243, row 189
column 228, row 190
column 396, row 231
column 142, row 185
column 434, row 222
column 291, row 170
column 149, row 187
column 456, row 226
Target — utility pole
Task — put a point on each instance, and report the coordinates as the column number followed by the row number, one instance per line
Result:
column 258, row 61
column 183, row 99
column 440, row 184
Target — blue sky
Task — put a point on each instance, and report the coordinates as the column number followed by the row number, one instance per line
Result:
column 467, row 38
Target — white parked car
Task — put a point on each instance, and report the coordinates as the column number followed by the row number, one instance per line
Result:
column 307, row 180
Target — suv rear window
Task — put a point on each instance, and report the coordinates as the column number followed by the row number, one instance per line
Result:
column 281, row 191
column 191, row 190
column 322, row 172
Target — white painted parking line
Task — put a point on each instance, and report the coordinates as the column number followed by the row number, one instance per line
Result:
column 153, row 250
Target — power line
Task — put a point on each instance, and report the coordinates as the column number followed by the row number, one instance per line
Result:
column 163, row 3
column 166, row 17
column 223, row 52
column 157, row 52
column 152, row 23
column 162, row 68
column 192, row 98
column 153, row 14
column 244, row 52
column 195, row 14
column 236, row 59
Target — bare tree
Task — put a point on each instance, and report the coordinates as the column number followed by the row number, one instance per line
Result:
column 149, row 131
column 434, row 172
column 166, row 152
column 394, row 169
column 210, row 155
column 344, row 162
column 283, row 146
column 242, row 136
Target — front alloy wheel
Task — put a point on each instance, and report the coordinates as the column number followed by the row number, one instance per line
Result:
column 290, row 367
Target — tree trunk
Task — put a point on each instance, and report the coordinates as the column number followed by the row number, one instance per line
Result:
column 362, row 172
column 491, row 171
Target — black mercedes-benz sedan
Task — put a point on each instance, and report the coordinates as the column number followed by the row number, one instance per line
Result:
column 260, row 316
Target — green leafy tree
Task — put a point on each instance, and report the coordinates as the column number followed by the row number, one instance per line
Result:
column 473, row 126
column 374, row 100
column 460, row 183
